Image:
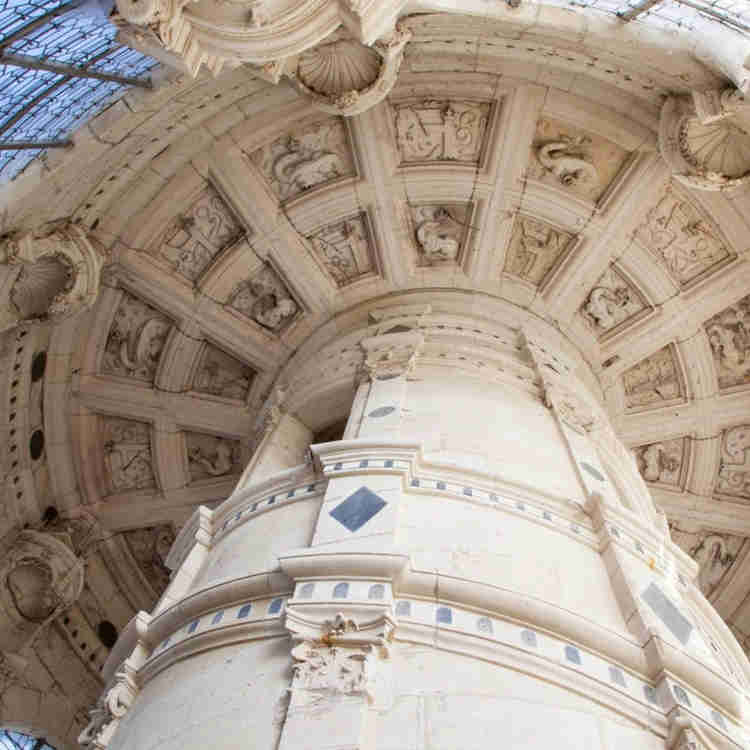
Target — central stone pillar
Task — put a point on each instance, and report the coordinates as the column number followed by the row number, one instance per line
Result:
column 477, row 560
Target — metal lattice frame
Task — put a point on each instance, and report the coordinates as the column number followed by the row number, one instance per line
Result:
column 60, row 64
column 17, row 741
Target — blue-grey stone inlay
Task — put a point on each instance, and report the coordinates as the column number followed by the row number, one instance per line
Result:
column 444, row 615
column 290, row 493
column 528, row 638
column 593, row 471
column 546, row 515
column 650, row 694
column 617, row 676
column 275, row 606
column 381, row 411
column 681, row 695
column 467, row 491
column 341, row 591
column 484, row 625
column 244, row 611
column 272, row 499
column 389, row 463
column 403, row 609
column 415, row 483
column 193, row 626
column 337, row 466
column 364, row 463
column 306, row 591
column 358, row 509
column 493, row 497
column 668, row 613
column 520, row 506
column 718, row 719
column 377, row 591
column 311, row 488
column 441, row 485
column 238, row 516
column 615, row 531
column 217, row 617
column 639, row 547
column 572, row 654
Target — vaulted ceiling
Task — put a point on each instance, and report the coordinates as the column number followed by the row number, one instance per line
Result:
column 235, row 218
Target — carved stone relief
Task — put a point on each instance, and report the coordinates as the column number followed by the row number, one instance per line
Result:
column 136, row 340
column 345, row 250
column 612, row 303
column 729, row 335
column 58, row 274
column 534, row 248
column 210, row 456
column 654, row 381
column 110, row 709
column 705, row 139
column 219, row 374
column 734, row 467
column 568, row 157
column 713, row 552
column 265, row 299
column 441, row 130
column 150, row 547
column 682, row 238
column 319, row 667
column 198, row 235
column 306, row 157
column 127, row 454
column 440, row 232
column 664, row 462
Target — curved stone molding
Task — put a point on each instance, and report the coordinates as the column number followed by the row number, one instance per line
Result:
column 41, row 577
column 58, row 277
column 703, row 141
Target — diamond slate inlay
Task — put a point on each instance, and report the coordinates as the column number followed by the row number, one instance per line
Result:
column 358, row 508
column 668, row 613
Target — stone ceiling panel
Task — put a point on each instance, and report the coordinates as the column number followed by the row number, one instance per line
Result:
column 729, row 335
column 733, row 481
column 665, row 463
column 219, row 374
column 655, row 381
column 128, row 462
column 210, row 456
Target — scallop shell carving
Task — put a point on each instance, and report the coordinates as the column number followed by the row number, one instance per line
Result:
column 339, row 67
column 720, row 147
column 40, row 284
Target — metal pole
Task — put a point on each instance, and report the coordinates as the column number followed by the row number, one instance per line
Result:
column 33, row 63
column 25, row 145
column 636, row 10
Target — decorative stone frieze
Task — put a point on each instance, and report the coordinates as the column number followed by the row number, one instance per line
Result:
column 57, row 275
column 219, row 374
column 729, row 335
column 613, row 303
column 265, row 299
column 664, row 463
column 111, row 707
column 345, row 250
column 431, row 131
column 309, row 156
column 733, row 479
column 210, row 456
column 197, row 236
column 567, row 157
column 150, row 548
column 655, row 381
column 705, row 139
column 136, row 340
column 535, row 248
column 440, row 232
column 391, row 355
column 128, row 462
column 683, row 238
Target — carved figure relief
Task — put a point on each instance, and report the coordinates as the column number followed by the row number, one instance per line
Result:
column 441, row 130
column 440, row 232
column 210, row 456
column 265, row 298
column 219, row 374
column 663, row 462
column 578, row 161
column 150, row 548
column 305, row 158
column 58, row 274
column 612, row 303
column 345, row 250
column 678, row 234
column 534, row 248
column 111, row 707
column 196, row 237
column 729, row 335
column 127, row 454
column 327, row 668
column 654, row 381
column 136, row 340
column 734, row 466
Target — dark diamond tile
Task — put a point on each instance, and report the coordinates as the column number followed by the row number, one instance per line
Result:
column 358, row 508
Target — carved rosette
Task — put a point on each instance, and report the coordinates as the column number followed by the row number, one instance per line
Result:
column 704, row 140
column 41, row 577
column 59, row 275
